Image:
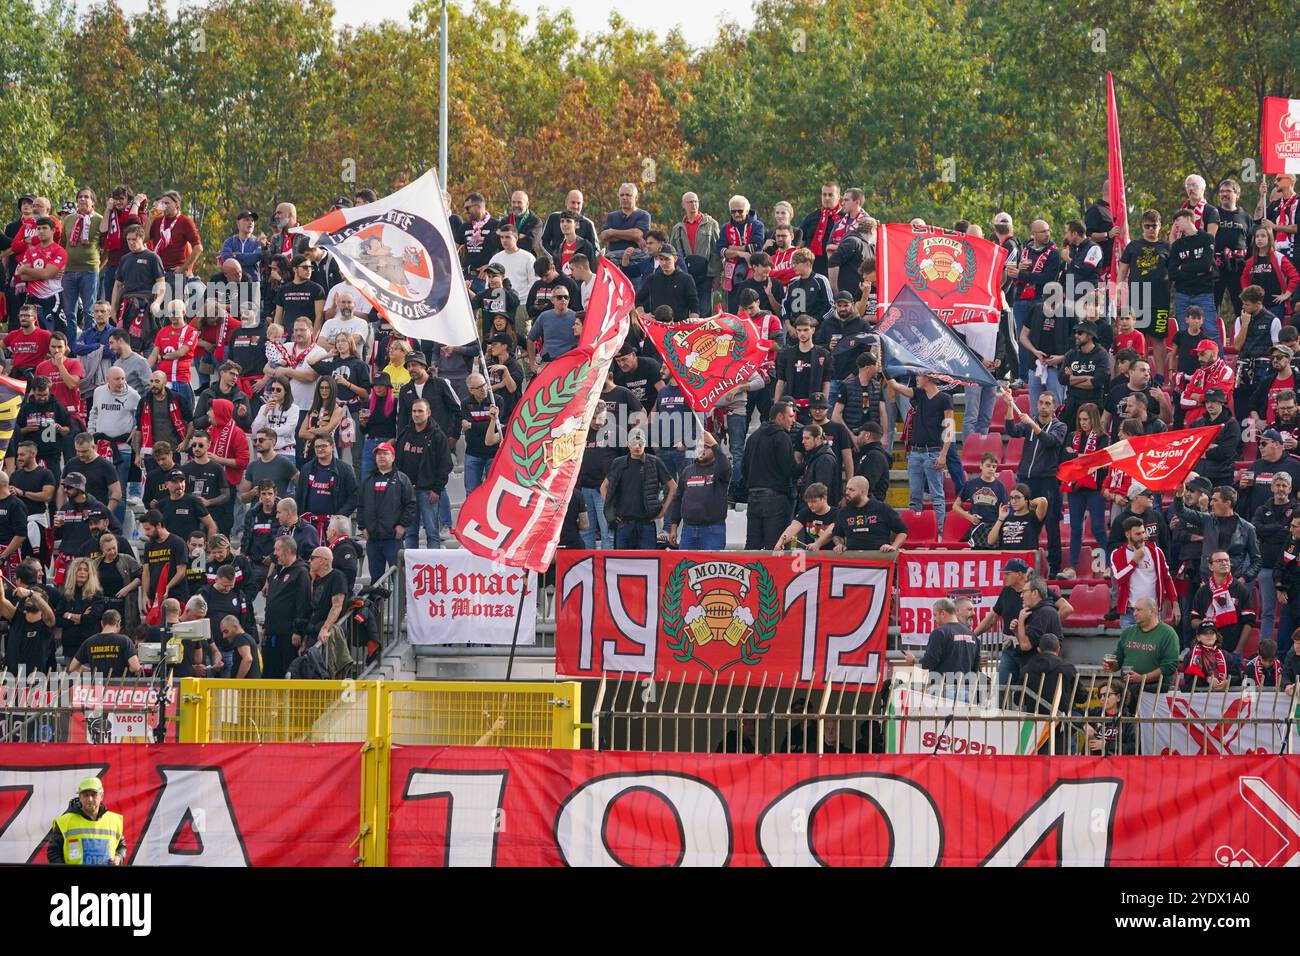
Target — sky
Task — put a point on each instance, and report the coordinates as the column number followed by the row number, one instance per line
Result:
column 697, row 18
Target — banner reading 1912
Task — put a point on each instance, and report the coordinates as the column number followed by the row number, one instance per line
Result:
column 760, row 618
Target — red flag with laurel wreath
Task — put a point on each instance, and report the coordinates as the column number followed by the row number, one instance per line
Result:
column 711, row 356
column 1160, row 462
column 958, row 276
column 514, row 517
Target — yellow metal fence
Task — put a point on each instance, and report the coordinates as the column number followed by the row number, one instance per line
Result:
column 377, row 715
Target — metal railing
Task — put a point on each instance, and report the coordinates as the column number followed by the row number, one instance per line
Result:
column 444, row 713
column 971, row 716
column 84, row 708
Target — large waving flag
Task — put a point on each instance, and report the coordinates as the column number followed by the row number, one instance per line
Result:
column 709, row 357
column 958, row 276
column 914, row 342
column 12, row 391
column 514, row 517
column 1160, row 462
column 400, row 253
column 1279, row 135
column 1115, row 161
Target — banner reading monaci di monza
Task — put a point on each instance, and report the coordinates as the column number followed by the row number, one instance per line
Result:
column 759, row 618
column 455, row 597
column 503, row 807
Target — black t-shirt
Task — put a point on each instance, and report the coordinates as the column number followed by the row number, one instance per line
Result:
column 479, row 417
column 255, row 669
column 298, row 300
column 353, row 369
column 248, row 348
column 480, row 244
column 815, row 525
column 1095, row 364
column 982, row 498
column 206, row 481
column 1021, row 531
column 155, row 485
column 138, row 271
column 28, row 644
column 1232, row 241
column 279, row 469
column 165, row 558
column 1186, row 344
column 629, row 501
column 640, row 381
column 13, row 519
column 1119, row 396
column 99, row 474
column 595, row 460
column 34, row 481
column 106, row 654
column 183, row 515
column 868, row 527
column 1148, row 262
column 803, row 372
column 1099, row 218
column 928, row 420
column 323, row 590
column 838, row 437
column 47, row 417
column 110, row 580
column 1008, row 607
column 620, row 403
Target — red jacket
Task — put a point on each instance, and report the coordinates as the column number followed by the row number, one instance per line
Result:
column 1219, row 375
column 1122, row 573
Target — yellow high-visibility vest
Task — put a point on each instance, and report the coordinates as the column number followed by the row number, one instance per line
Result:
column 90, row 842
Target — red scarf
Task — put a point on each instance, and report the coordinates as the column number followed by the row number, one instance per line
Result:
column 734, row 238
column 80, row 232
column 1286, row 216
column 1223, row 609
column 818, row 242
column 1039, row 264
column 146, row 418
column 783, row 264
column 1083, row 446
column 222, row 439
column 1198, row 212
column 1259, row 670
column 1207, row 663
column 113, row 238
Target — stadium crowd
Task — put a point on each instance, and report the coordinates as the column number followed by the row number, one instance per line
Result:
column 194, row 441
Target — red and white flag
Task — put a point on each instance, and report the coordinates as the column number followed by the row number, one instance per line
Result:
column 514, row 517
column 958, row 276
column 1160, row 462
column 1279, row 135
column 1118, row 203
column 400, row 254
column 709, row 357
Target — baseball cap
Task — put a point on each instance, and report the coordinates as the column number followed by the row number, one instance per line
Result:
column 385, row 446
column 1285, row 350
column 1207, row 345
column 75, row 480
column 500, row 339
column 175, row 475
column 1002, row 219
column 26, row 197
column 90, row 783
column 1206, row 626
column 627, row 348
column 495, row 268
column 97, row 514
column 818, row 400
column 247, row 214
column 1015, row 564
column 666, row 251
column 1216, row 395
column 1200, row 484
column 844, row 297
column 1272, row 434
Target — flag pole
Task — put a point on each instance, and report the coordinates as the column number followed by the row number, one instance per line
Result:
column 442, row 97
column 519, row 616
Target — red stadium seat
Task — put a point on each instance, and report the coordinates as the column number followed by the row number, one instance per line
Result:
column 922, row 529
column 1014, row 451
column 1022, row 402
column 955, row 529
column 1249, row 452
column 977, row 445
column 1008, row 478
column 1090, row 603
column 999, row 420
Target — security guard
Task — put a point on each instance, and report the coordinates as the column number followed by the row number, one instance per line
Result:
column 87, row 833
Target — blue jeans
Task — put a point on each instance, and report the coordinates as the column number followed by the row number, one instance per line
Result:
column 381, row 554
column 979, row 410
column 1008, row 670
column 635, row 536
column 1020, row 310
column 428, row 518
column 1036, row 388
column 368, row 456
column 1090, row 503
column 123, row 469
column 703, row 537
column 924, row 478
column 595, row 520
column 737, row 430
column 78, row 296
column 1287, row 623
column 673, row 460
column 1126, row 620
column 106, row 279
column 1267, row 603
column 183, row 388
column 1206, row 301
column 955, row 470
column 896, row 411
column 476, row 470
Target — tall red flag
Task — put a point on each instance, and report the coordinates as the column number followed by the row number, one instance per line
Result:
column 1118, row 204
column 1279, row 135
column 958, row 276
column 1160, row 462
column 710, row 357
column 515, row 516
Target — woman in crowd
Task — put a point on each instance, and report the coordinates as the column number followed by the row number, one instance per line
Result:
column 1115, row 736
column 323, row 418
column 280, row 414
column 1020, row 522
column 1085, row 494
column 119, row 578
column 378, row 417
column 83, row 606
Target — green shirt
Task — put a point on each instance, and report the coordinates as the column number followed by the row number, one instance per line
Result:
column 1144, row 651
column 82, row 258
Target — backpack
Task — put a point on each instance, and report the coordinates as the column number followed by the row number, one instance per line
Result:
column 310, row 666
